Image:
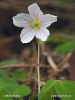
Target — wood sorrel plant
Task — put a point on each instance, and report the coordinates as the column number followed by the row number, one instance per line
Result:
column 35, row 25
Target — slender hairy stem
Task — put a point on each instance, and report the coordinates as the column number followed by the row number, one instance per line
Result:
column 38, row 69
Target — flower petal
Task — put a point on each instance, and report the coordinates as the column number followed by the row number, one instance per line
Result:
column 42, row 34
column 22, row 20
column 48, row 19
column 35, row 11
column 27, row 35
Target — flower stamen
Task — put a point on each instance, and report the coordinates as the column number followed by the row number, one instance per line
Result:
column 36, row 23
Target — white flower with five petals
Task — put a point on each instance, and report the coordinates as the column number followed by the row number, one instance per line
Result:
column 35, row 24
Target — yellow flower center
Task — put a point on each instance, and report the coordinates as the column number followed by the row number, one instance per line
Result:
column 36, row 23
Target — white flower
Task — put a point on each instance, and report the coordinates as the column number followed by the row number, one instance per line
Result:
column 35, row 23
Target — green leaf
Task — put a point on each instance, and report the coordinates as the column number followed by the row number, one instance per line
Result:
column 4, row 95
column 55, row 39
column 13, row 88
column 20, row 98
column 23, row 90
column 19, row 74
column 8, row 84
column 65, row 47
column 66, row 88
column 45, row 91
column 8, row 80
column 8, row 62
column 4, row 71
column 58, row 88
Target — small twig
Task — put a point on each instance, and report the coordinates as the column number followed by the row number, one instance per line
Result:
column 66, row 65
column 65, row 60
column 24, row 65
column 33, row 61
column 36, row 80
column 52, row 63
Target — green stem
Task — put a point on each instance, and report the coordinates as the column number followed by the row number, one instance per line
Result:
column 38, row 69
